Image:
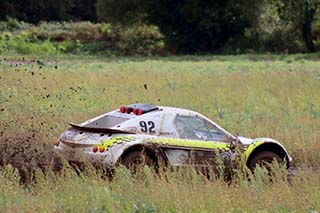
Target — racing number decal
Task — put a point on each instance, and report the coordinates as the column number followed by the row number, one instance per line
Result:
column 147, row 126
column 151, row 127
column 143, row 126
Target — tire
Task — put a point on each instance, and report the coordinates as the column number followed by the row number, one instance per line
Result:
column 136, row 160
column 264, row 159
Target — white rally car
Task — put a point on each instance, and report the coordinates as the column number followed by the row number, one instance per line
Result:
column 147, row 134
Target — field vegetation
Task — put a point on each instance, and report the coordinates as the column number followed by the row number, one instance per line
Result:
column 52, row 38
column 251, row 95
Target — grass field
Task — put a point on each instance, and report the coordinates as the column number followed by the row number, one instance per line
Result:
column 250, row 95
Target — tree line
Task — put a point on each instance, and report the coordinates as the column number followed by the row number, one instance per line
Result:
column 193, row 26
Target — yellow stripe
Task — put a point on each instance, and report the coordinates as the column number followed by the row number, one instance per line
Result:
column 119, row 139
column 251, row 148
column 169, row 141
column 190, row 143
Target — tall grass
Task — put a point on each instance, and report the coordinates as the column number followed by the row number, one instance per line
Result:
column 70, row 192
column 250, row 95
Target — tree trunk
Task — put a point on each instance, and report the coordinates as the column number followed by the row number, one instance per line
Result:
column 307, row 27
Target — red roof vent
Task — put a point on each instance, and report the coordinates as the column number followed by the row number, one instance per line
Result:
column 140, row 112
column 122, row 109
column 138, row 108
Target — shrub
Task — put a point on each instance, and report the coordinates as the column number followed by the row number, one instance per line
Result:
column 82, row 31
column 13, row 25
column 80, row 37
column 140, row 40
column 24, row 44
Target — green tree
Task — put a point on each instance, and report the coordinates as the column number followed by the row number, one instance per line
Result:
column 301, row 14
column 36, row 10
column 201, row 26
column 189, row 26
column 6, row 8
column 83, row 10
column 125, row 12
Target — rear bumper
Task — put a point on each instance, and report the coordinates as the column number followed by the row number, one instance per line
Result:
column 78, row 155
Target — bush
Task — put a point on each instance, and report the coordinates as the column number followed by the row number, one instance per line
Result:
column 82, row 31
column 140, row 40
column 80, row 37
column 24, row 44
column 14, row 25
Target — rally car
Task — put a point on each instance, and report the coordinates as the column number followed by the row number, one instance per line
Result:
column 147, row 134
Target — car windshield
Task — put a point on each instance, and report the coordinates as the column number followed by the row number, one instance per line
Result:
column 106, row 121
column 192, row 127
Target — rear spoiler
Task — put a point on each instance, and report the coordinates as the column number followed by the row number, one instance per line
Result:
column 99, row 130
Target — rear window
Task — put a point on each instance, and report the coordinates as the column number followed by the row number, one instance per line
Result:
column 106, row 121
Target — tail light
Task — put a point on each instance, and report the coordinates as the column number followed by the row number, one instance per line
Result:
column 101, row 149
column 127, row 110
column 95, row 149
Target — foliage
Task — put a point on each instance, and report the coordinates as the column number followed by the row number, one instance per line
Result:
column 188, row 26
column 193, row 26
column 231, row 26
column 125, row 12
column 25, row 44
column 79, row 37
column 83, row 10
column 273, row 33
column 82, row 31
column 141, row 40
column 35, row 10
column 12, row 25
column 301, row 15
column 281, row 26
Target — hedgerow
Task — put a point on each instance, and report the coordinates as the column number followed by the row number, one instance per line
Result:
column 49, row 38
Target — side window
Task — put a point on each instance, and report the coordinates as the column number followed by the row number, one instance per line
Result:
column 191, row 127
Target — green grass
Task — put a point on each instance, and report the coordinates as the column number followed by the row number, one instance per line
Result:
column 251, row 95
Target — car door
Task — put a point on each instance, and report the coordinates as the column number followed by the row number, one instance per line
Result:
column 199, row 142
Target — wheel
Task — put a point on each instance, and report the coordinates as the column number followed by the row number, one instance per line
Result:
column 136, row 160
column 264, row 159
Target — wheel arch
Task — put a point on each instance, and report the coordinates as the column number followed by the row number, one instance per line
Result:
column 272, row 147
column 154, row 152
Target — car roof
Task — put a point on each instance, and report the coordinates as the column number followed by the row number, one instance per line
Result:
column 160, row 109
column 169, row 110
column 150, row 110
